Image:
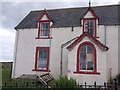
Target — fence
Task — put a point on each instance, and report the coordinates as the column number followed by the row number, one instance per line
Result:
column 36, row 86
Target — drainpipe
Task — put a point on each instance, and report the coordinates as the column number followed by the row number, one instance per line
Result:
column 105, row 33
column 62, row 46
column 50, row 48
column 15, row 53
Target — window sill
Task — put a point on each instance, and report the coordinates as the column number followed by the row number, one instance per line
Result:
column 40, row 70
column 81, row 72
column 43, row 38
column 96, row 37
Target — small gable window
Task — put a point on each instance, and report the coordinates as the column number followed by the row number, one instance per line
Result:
column 89, row 25
column 44, row 26
column 44, row 29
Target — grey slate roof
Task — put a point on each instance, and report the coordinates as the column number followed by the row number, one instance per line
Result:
column 109, row 15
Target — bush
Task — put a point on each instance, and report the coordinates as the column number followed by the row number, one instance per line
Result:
column 64, row 82
column 118, row 78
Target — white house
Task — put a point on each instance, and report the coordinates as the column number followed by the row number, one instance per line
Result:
column 82, row 43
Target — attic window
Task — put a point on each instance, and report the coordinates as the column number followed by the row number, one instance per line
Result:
column 44, row 29
column 44, row 26
column 89, row 25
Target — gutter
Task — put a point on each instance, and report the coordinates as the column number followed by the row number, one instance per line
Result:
column 62, row 46
column 105, row 33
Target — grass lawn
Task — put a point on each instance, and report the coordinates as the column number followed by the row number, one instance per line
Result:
column 6, row 74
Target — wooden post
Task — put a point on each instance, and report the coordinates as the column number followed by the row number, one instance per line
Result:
column 95, row 85
column 27, row 84
column 5, row 84
column 16, row 84
column 105, row 86
column 115, row 84
column 85, row 86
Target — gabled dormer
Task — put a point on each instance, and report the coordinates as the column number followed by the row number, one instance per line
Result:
column 44, row 26
column 89, row 22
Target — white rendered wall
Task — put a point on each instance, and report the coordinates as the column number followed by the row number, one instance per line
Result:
column 112, row 54
column 119, row 49
column 26, row 49
column 59, row 37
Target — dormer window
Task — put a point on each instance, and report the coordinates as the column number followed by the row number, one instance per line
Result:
column 89, row 22
column 44, row 29
column 90, row 26
column 44, row 26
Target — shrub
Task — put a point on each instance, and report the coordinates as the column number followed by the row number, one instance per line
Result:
column 118, row 78
column 64, row 82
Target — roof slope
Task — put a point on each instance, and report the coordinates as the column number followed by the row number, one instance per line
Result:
column 71, row 17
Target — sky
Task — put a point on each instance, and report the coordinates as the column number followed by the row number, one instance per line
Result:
column 13, row 11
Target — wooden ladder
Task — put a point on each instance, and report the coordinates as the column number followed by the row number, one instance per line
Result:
column 45, row 78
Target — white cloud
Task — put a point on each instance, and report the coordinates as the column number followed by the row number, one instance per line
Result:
column 7, row 39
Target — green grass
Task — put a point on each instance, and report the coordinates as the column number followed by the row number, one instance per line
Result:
column 6, row 74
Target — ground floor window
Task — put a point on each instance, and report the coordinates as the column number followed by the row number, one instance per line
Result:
column 42, row 58
column 86, row 59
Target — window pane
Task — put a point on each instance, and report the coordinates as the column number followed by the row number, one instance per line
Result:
column 82, row 65
column 89, row 49
column 83, row 49
column 42, row 59
column 83, row 58
column 90, row 65
column 42, row 63
column 89, row 26
column 44, row 29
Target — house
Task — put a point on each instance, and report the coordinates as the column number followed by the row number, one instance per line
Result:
column 82, row 43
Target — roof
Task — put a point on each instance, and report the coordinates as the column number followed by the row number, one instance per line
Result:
column 70, row 17
column 97, row 42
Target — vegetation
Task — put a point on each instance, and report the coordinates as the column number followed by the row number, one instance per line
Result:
column 64, row 82
column 6, row 75
column 118, row 79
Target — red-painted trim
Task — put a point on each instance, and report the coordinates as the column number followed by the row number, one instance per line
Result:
column 48, row 37
column 102, row 46
column 93, row 73
column 92, row 11
column 39, row 21
column 95, row 28
column 43, row 38
column 44, row 13
column 36, row 59
column 78, row 60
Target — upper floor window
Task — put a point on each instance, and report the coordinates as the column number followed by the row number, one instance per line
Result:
column 44, row 26
column 89, row 25
column 44, row 29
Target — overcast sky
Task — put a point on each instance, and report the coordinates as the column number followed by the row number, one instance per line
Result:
column 12, row 12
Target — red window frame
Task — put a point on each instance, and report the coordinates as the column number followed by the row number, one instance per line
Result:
column 95, row 28
column 78, row 71
column 39, row 29
column 36, row 59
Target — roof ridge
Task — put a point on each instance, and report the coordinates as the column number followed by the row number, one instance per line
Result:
column 75, row 8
